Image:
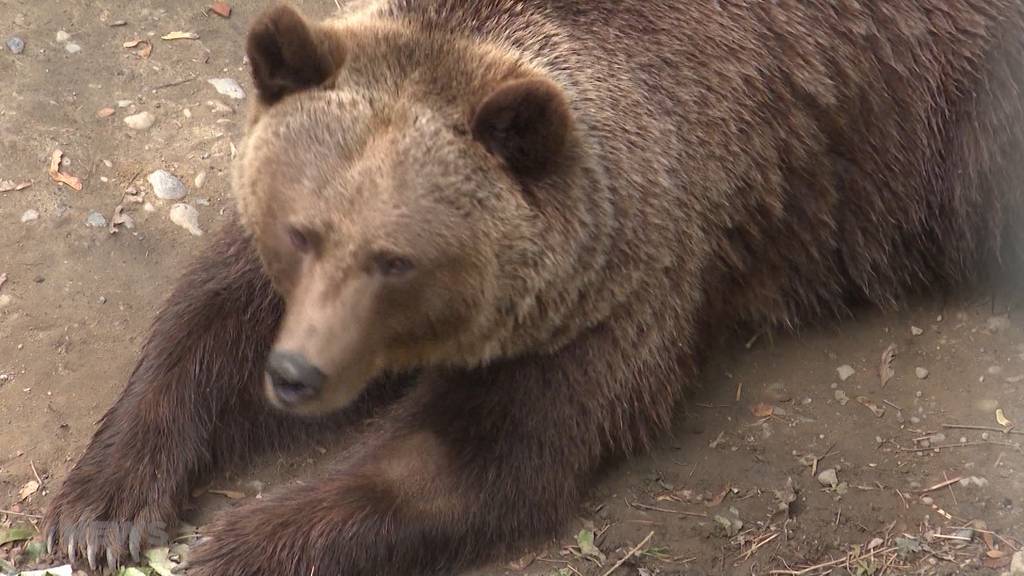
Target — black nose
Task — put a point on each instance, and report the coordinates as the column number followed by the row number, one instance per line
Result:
column 293, row 377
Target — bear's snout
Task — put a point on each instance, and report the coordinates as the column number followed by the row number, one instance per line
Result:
column 293, row 379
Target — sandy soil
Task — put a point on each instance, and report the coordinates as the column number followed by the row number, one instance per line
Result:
column 732, row 491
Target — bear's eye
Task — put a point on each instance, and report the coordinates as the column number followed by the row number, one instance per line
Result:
column 392, row 265
column 300, row 241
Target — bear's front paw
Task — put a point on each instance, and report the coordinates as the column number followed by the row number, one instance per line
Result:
column 106, row 511
column 258, row 539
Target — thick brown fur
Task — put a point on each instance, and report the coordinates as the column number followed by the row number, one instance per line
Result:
column 696, row 164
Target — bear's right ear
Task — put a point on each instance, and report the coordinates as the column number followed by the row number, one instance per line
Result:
column 526, row 123
column 288, row 55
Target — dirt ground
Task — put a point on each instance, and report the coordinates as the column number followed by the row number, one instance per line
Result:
column 734, row 490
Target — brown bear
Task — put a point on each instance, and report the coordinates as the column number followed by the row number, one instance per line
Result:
column 509, row 228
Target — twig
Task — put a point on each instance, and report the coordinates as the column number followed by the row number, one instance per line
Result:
column 960, row 445
column 38, row 479
column 845, row 559
column 630, row 554
column 950, row 486
column 640, row 506
column 13, row 513
column 984, row 428
column 173, row 84
column 940, row 485
column 758, row 545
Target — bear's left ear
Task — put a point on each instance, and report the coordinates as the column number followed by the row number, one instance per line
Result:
column 288, row 54
column 525, row 122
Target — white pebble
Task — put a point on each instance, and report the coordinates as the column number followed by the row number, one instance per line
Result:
column 72, row 48
column 915, row 331
column 5, row 300
column 148, row 207
column 228, row 87
column 200, row 179
column 124, row 103
column 921, row 372
column 167, row 186
column 187, row 113
column 927, row 500
column 845, row 371
column 140, row 121
column 187, row 217
column 995, row 370
column 828, row 478
column 29, row 215
column 63, row 36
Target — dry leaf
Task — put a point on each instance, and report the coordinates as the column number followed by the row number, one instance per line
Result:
column 58, row 176
column 885, row 371
column 104, row 112
column 30, row 488
column 717, row 500
column 179, row 35
column 145, row 50
column 222, row 9
column 232, row 494
column 995, row 553
column 996, row 563
column 120, row 219
column 878, row 411
column 12, row 186
column 762, row 410
column 1002, row 419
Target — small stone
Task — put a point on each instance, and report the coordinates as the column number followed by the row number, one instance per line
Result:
column 15, row 45
column 63, row 36
column 984, row 436
column 140, row 121
column 72, row 48
column 841, row 397
column 200, row 180
column 995, row 370
column 95, row 220
column 228, row 87
column 166, row 186
column 921, row 373
column 29, row 215
column 845, row 371
column 124, row 103
column 963, row 439
column 219, row 107
column 5, row 300
column 187, row 217
column 915, row 331
column 148, row 207
column 828, row 478
column 927, row 500
column 915, row 420
column 186, row 113
column 102, row 300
